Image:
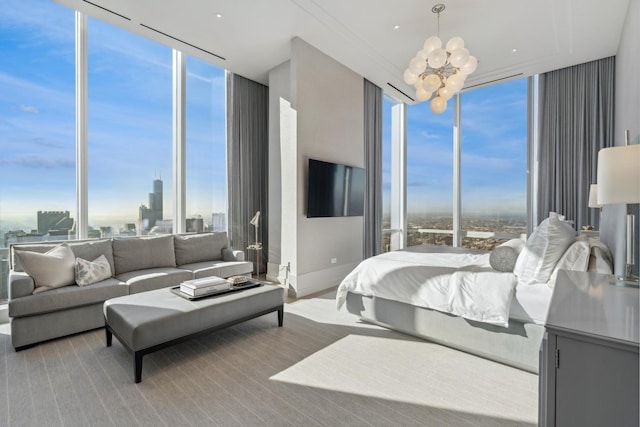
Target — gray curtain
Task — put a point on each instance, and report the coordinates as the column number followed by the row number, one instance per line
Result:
column 373, row 167
column 247, row 161
column 576, row 121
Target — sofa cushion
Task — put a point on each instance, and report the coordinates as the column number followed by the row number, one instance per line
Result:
column 90, row 272
column 192, row 248
column 154, row 278
column 67, row 297
column 85, row 249
column 219, row 268
column 141, row 253
column 50, row 270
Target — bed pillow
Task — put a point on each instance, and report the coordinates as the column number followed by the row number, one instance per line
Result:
column 600, row 259
column 90, row 272
column 543, row 249
column 575, row 258
column 504, row 257
column 50, row 270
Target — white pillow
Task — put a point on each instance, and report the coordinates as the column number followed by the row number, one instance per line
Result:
column 50, row 270
column 543, row 249
column 90, row 272
column 575, row 258
column 600, row 260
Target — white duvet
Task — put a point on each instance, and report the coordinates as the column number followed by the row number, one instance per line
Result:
column 456, row 283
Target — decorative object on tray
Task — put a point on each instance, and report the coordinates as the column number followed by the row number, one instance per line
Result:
column 237, row 280
column 203, row 286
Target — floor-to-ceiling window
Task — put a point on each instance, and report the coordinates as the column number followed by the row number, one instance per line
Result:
column 37, row 125
column 429, row 175
column 206, row 171
column 386, row 173
column 494, row 163
column 129, row 133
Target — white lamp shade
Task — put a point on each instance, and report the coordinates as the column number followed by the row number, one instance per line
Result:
column 255, row 220
column 593, row 196
column 619, row 175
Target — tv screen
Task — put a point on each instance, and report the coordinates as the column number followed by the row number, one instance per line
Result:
column 334, row 190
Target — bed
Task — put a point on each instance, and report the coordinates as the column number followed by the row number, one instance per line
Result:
column 491, row 304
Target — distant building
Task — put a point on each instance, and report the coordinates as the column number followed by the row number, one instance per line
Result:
column 195, row 225
column 55, row 223
column 218, row 222
column 149, row 216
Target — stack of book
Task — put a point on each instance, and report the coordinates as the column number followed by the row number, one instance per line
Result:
column 203, row 286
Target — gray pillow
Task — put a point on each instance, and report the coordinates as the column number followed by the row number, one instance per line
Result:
column 503, row 257
column 50, row 270
column 90, row 272
column 141, row 253
column 191, row 248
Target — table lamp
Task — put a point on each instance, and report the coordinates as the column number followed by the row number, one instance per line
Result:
column 619, row 182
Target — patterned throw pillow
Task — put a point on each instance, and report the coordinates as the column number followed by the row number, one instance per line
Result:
column 90, row 272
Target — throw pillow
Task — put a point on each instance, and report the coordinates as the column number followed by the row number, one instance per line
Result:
column 543, row 249
column 575, row 258
column 600, row 259
column 90, row 272
column 50, row 270
column 504, row 257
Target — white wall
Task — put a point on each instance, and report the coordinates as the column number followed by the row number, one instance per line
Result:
column 324, row 121
column 627, row 116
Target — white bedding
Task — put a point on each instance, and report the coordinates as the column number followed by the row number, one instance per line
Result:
column 462, row 284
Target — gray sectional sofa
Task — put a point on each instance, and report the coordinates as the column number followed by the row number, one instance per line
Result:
column 137, row 264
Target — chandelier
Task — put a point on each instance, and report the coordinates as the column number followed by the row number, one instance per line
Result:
column 438, row 73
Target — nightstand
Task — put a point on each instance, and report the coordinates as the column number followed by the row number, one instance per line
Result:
column 589, row 354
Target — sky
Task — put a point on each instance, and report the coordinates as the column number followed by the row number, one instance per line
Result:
column 130, row 129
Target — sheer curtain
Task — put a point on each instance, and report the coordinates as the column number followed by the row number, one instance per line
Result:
column 575, row 122
column 247, row 161
column 373, row 167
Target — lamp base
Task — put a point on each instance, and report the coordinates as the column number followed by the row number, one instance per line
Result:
column 629, row 279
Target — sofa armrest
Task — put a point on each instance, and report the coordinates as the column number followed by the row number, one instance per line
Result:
column 232, row 255
column 20, row 284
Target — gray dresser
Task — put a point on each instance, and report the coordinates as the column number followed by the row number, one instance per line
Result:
column 589, row 355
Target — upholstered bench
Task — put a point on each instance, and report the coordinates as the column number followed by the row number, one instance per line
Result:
column 148, row 321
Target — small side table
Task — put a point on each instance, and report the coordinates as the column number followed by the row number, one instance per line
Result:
column 256, row 258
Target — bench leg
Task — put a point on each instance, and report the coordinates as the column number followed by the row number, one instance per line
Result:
column 109, row 335
column 137, row 368
column 280, row 316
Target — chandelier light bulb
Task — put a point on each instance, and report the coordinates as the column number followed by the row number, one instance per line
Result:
column 438, row 73
column 438, row 105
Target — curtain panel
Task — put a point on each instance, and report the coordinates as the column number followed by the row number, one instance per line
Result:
column 373, row 168
column 247, row 163
column 576, row 121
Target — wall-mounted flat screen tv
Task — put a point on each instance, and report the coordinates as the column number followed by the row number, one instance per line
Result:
column 334, row 190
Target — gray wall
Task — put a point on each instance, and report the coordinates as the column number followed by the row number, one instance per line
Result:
column 627, row 116
column 322, row 118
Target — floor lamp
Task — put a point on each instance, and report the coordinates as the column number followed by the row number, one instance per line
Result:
column 619, row 182
column 255, row 221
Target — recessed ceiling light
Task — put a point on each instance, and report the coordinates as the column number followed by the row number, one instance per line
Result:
column 514, row 50
column 396, row 27
column 218, row 15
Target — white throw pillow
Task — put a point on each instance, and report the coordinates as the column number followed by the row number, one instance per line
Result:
column 543, row 249
column 50, row 270
column 575, row 258
column 600, row 260
column 90, row 272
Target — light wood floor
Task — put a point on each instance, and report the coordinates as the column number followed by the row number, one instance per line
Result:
column 322, row 368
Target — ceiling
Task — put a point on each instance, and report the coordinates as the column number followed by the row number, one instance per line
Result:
column 253, row 36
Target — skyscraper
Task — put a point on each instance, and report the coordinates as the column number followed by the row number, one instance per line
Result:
column 148, row 216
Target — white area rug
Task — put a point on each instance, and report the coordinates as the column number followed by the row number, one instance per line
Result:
column 410, row 370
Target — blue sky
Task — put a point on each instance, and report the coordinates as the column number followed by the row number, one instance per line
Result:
column 130, row 131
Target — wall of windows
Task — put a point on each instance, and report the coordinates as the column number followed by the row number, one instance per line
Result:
column 492, row 180
column 129, row 140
